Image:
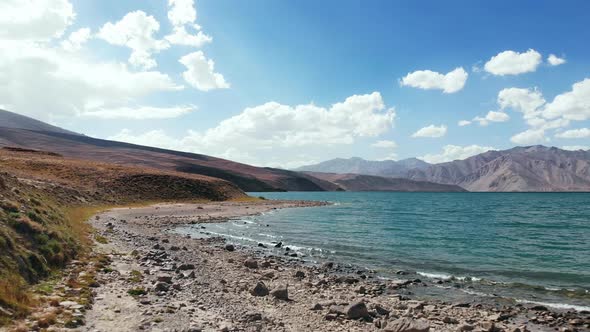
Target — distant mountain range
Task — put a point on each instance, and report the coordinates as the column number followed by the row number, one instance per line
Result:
column 23, row 132
column 532, row 168
column 355, row 165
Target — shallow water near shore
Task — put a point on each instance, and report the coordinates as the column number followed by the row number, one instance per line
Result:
column 526, row 247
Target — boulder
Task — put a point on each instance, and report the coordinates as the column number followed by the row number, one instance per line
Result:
column 185, row 267
column 408, row 325
column 357, row 310
column 259, row 290
column 230, row 247
column 162, row 287
column 280, row 293
column 165, row 278
column 251, row 263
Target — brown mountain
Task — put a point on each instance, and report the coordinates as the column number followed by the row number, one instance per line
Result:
column 532, row 168
column 24, row 132
column 359, row 182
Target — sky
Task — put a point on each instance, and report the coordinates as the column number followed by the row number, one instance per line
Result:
column 290, row 83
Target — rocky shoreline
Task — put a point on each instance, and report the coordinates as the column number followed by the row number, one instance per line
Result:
column 161, row 281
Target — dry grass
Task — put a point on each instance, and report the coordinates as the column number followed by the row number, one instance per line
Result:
column 14, row 294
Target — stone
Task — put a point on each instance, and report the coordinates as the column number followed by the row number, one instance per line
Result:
column 280, row 293
column 381, row 310
column 259, row 290
column 408, row 325
column 252, row 316
column 185, row 267
column 162, row 287
column 299, row 274
column 539, row 308
column 230, row 247
column 165, row 278
column 175, row 248
column 466, row 327
column 251, row 263
column 357, row 310
column 316, row 307
column 450, row 320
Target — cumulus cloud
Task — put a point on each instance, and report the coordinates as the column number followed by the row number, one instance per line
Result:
column 431, row 131
column 200, row 72
column 181, row 37
column 576, row 147
column 574, row 133
column 385, row 144
column 492, row 116
column 140, row 113
column 554, row 60
column 450, row 82
column 529, row 137
column 181, row 12
column 571, row 105
column 44, row 81
column 282, row 128
column 40, row 20
column 76, row 39
column 183, row 15
column 463, row 123
column 513, row 63
column 455, row 152
column 135, row 30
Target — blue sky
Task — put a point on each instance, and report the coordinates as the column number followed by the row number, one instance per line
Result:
column 276, row 58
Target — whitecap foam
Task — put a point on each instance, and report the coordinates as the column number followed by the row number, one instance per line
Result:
column 565, row 306
column 444, row 276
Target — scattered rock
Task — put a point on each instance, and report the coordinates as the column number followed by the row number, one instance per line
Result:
column 357, row 310
column 251, row 263
column 165, row 278
column 185, row 267
column 162, row 287
column 408, row 325
column 280, row 293
column 299, row 274
column 259, row 290
column 316, row 307
column 230, row 247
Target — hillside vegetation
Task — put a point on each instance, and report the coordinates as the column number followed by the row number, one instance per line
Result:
column 45, row 200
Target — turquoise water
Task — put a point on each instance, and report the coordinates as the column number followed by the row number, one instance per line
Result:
column 527, row 246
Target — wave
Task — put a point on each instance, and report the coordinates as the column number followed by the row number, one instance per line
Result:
column 565, row 306
column 443, row 276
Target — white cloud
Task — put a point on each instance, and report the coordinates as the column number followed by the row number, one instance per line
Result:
column 554, row 60
column 282, row 128
column 526, row 101
column 182, row 15
column 385, row 144
column 575, row 133
column 492, row 116
column 76, row 39
column 182, row 37
column 464, row 123
column 529, row 137
column 135, row 30
column 431, row 131
column 140, row 113
column 39, row 20
column 455, row 152
column 451, row 82
column 513, row 63
column 45, row 82
column 576, row 147
column 181, row 12
column 571, row 105
column 201, row 73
